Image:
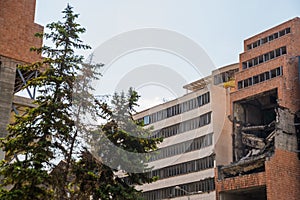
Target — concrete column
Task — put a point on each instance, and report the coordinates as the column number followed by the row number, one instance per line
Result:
column 7, row 82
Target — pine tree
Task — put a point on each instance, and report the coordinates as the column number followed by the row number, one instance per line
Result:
column 53, row 131
column 48, row 131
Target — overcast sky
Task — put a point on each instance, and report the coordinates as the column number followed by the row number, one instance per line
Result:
column 218, row 27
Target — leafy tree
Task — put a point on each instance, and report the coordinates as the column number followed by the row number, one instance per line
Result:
column 123, row 145
column 52, row 131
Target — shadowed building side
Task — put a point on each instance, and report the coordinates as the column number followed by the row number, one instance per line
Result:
column 16, row 38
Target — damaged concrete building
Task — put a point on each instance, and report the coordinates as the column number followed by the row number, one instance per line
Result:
column 16, row 38
column 265, row 114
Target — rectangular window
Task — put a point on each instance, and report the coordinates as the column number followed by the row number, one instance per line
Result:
column 272, row 54
column 276, row 35
column 199, row 99
column 255, row 80
column 261, row 59
column 246, row 83
column 244, row 65
column 266, row 57
column 249, row 46
column 279, row 71
column 265, row 40
column 255, row 61
column 258, row 42
column 271, row 37
column 273, row 73
column 250, row 81
column 267, row 75
column 283, row 50
column 146, row 120
column 255, row 44
column 262, row 77
column 277, row 53
column 240, row 84
column 250, row 63
column 287, row 30
column 281, row 33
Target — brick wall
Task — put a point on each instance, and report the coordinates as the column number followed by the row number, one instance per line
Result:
column 283, row 176
column 240, row 182
column 18, row 29
column 288, row 85
column 16, row 37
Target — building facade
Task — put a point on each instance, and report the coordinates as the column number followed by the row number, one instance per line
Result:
column 192, row 127
column 16, row 38
column 265, row 112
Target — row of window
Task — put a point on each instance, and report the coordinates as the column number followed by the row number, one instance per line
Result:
column 260, row 78
column 225, row 76
column 182, row 127
column 184, row 168
column 268, row 38
column 205, row 185
column 264, row 58
column 184, row 147
column 177, row 109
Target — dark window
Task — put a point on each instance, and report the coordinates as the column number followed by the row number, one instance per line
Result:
column 255, row 79
column 184, row 147
column 258, row 42
column 283, row 50
column 246, row 83
column 240, row 84
column 261, row 59
column 272, row 54
column 273, row 73
column 271, row 37
column 250, row 63
column 262, row 77
column 255, row 44
column 278, row 71
column 265, row 40
column 287, row 30
column 276, row 35
column 281, row 33
column 250, row 81
column 266, row 57
column 277, row 53
column 179, row 108
column 267, row 75
column 244, row 65
column 255, row 61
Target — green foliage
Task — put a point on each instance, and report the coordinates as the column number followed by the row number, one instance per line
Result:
column 123, row 146
column 47, row 132
column 54, row 129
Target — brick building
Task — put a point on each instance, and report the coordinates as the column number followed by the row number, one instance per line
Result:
column 16, row 38
column 265, row 112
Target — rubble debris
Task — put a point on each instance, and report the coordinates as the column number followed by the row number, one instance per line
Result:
column 255, row 164
column 252, row 141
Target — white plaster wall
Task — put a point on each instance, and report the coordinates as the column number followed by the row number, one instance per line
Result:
column 182, row 158
column 203, row 196
column 176, row 180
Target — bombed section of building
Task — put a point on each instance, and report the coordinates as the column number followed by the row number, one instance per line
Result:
column 265, row 119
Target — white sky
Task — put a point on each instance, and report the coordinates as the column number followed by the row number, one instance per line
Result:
column 218, row 27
